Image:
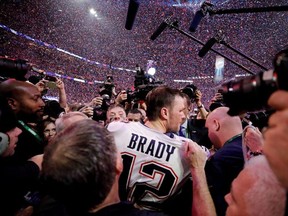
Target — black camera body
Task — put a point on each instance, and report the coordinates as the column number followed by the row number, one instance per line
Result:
column 106, row 91
column 130, row 95
column 143, row 83
column 140, row 93
column 252, row 93
column 107, row 87
column 190, row 90
column 50, row 78
column 99, row 112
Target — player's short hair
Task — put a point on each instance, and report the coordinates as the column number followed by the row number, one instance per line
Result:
column 135, row 111
column 158, row 98
column 68, row 118
column 79, row 166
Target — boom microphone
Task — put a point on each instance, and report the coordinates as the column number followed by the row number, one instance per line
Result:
column 207, row 47
column 159, row 30
column 205, row 8
column 196, row 20
column 131, row 14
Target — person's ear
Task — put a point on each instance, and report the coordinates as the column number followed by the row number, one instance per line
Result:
column 164, row 113
column 119, row 164
column 13, row 103
column 216, row 125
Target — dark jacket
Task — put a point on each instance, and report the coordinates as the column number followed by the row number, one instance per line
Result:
column 222, row 168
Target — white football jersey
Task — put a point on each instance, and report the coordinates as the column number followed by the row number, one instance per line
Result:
column 154, row 164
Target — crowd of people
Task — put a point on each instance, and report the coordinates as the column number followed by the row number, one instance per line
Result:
column 155, row 156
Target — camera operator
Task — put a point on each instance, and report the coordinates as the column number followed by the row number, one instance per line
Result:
column 194, row 128
column 100, row 106
column 195, row 95
column 276, row 138
column 216, row 101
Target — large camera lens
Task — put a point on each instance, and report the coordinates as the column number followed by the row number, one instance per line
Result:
column 252, row 93
column 13, row 68
column 190, row 90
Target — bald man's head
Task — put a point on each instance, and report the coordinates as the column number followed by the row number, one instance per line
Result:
column 222, row 127
column 24, row 99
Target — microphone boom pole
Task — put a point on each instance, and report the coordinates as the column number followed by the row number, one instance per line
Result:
column 207, row 8
column 248, row 10
column 219, row 38
column 174, row 25
column 243, row 55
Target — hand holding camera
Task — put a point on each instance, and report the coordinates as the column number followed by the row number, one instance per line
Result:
column 198, row 97
column 96, row 102
column 50, row 81
column 87, row 110
column 121, row 97
column 41, row 85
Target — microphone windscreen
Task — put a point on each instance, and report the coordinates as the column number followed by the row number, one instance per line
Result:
column 196, row 20
column 207, row 47
column 131, row 14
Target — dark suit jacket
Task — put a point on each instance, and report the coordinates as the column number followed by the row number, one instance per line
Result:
column 222, row 169
column 198, row 133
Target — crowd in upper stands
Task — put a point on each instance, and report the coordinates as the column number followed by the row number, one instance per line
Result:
column 175, row 55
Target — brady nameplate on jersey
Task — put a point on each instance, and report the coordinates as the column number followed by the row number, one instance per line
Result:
column 154, row 163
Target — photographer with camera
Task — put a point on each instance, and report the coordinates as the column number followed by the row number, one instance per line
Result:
column 195, row 96
column 100, row 106
column 216, row 101
column 194, row 127
column 202, row 114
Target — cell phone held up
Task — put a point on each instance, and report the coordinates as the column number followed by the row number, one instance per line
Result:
column 51, row 84
column 50, row 78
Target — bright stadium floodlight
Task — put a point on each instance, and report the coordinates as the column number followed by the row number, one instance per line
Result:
column 93, row 12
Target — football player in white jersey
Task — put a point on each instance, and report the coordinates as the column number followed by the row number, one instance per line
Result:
column 154, row 166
